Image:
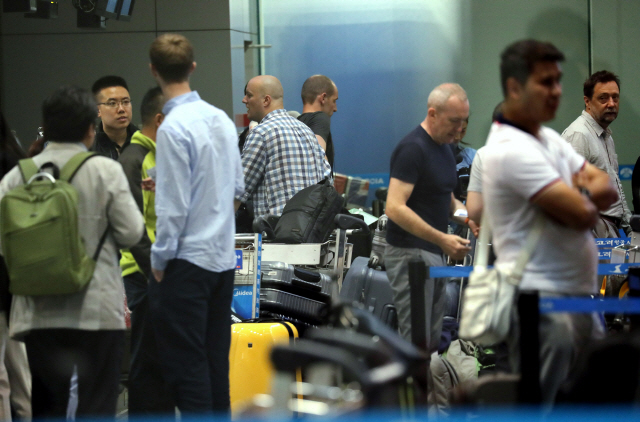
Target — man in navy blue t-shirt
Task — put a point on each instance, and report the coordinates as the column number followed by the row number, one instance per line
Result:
column 420, row 202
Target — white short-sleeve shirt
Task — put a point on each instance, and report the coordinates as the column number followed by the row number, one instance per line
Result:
column 516, row 167
column 475, row 179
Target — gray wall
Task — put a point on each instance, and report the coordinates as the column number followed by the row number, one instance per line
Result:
column 490, row 25
column 615, row 33
column 37, row 56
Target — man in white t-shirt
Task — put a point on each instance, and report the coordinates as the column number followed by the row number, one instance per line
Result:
column 529, row 170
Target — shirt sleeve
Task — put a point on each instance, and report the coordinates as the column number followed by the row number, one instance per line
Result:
column 173, row 196
column 580, row 144
column 475, row 179
column 406, row 162
column 320, row 125
column 575, row 159
column 254, row 163
column 526, row 174
column 132, row 167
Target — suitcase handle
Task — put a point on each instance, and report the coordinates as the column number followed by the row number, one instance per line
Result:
column 349, row 222
column 306, row 285
column 306, row 275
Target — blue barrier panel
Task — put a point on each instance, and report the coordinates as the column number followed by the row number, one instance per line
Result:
column 603, row 269
column 438, row 272
column 604, row 254
column 522, row 413
column 581, row 305
column 611, row 242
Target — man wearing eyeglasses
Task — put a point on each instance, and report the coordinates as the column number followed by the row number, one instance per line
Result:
column 114, row 131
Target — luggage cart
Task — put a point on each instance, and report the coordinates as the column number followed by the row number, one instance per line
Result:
column 327, row 260
column 331, row 257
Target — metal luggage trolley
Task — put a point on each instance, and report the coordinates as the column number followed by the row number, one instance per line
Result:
column 331, row 257
column 621, row 253
column 246, row 283
column 624, row 253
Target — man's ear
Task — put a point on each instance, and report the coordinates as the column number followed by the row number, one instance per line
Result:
column 266, row 101
column 431, row 112
column 514, row 88
column 193, row 67
column 587, row 102
column 158, row 119
column 322, row 98
column 154, row 72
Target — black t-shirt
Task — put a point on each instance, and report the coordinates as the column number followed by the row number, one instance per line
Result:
column 431, row 168
column 320, row 124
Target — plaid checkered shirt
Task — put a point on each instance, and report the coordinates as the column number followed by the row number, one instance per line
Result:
column 280, row 157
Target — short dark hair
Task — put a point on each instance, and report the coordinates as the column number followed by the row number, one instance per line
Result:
column 152, row 104
column 518, row 59
column 314, row 86
column 602, row 76
column 172, row 56
column 108, row 82
column 68, row 113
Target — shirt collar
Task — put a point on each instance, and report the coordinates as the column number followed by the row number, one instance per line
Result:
column 595, row 125
column 274, row 113
column 501, row 119
column 189, row 97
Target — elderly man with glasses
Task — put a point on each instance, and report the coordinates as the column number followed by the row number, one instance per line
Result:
column 114, row 132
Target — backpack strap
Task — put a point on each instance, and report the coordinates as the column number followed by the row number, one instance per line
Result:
column 28, row 168
column 102, row 239
column 68, row 171
column 73, row 165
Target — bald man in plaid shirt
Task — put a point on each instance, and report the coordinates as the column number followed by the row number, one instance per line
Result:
column 281, row 155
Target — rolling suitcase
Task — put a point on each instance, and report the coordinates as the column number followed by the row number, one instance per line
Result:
column 372, row 289
column 306, row 283
column 289, row 304
column 250, row 369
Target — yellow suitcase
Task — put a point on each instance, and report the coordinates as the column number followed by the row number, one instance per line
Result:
column 250, row 370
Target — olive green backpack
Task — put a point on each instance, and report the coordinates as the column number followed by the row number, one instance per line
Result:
column 41, row 244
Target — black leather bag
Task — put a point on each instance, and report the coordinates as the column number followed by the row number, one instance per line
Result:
column 308, row 216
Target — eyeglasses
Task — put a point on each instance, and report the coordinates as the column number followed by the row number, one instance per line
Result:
column 116, row 104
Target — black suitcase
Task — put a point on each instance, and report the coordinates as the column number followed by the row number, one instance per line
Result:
column 372, row 289
column 301, row 282
column 289, row 304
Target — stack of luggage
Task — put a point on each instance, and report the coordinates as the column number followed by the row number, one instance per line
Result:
column 294, row 294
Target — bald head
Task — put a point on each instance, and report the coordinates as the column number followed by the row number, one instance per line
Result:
column 269, row 85
column 441, row 94
column 263, row 94
column 447, row 114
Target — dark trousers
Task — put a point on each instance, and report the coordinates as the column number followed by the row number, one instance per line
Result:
column 96, row 355
column 148, row 391
column 191, row 311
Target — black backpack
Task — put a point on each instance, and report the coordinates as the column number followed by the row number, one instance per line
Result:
column 308, row 216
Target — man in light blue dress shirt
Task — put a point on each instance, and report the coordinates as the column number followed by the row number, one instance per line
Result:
column 198, row 173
